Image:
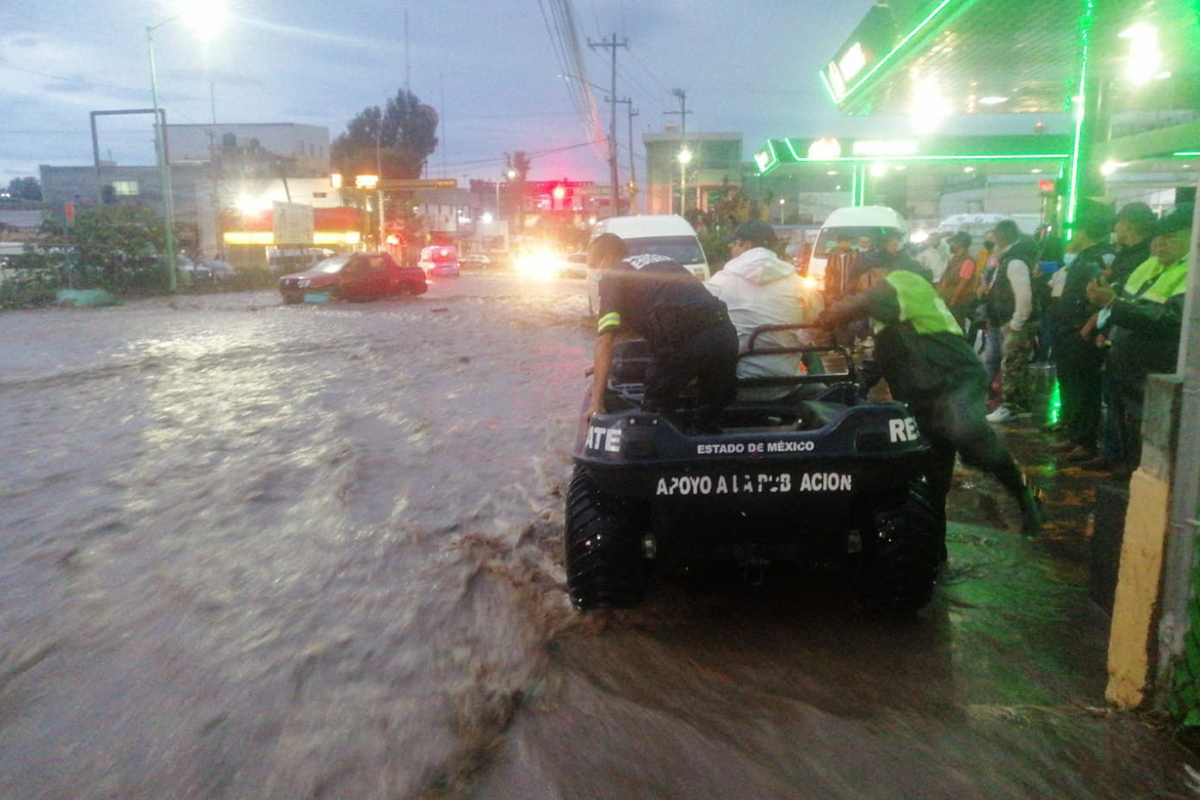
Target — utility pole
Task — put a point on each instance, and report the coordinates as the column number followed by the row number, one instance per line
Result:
column 632, row 170
column 612, row 44
column 683, row 161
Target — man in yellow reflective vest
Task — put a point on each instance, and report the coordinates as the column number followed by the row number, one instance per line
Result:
column 1143, row 322
column 921, row 351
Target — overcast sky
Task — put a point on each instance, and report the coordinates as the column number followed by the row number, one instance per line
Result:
column 748, row 67
column 488, row 66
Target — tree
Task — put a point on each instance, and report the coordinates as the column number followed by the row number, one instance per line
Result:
column 118, row 248
column 25, row 189
column 405, row 133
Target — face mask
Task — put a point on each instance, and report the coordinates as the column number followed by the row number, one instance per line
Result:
column 988, row 245
column 1068, row 258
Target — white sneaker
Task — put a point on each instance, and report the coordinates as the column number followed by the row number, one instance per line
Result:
column 1001, row 414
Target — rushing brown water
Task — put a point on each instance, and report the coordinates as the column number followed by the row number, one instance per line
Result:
column 257, row 552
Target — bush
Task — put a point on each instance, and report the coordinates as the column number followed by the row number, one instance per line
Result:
column 29, row 289
column 716, row 249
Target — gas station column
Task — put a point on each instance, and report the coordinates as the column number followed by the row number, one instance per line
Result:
column 1086, row 184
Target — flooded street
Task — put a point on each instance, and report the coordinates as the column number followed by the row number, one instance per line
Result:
column 258, row 552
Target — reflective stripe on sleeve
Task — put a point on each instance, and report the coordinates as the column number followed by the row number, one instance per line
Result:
column 609, row 320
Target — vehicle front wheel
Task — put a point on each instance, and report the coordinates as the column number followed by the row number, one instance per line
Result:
column 903, row 547
column 291, row 299
column 605, row 566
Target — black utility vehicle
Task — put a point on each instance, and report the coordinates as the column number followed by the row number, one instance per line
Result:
column 819, row 476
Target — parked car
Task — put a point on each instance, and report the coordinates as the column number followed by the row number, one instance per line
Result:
column 353, row 276
column 219, row 269
column 439, row 260
column 475, row 261
column 191, row 271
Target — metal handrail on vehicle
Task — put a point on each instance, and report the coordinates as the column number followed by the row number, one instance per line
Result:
column 850, row 375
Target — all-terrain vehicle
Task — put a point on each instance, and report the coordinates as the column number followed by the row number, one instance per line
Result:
column 816, row 476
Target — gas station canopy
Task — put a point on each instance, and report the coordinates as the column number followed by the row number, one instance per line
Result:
column 1016, row 56
column 1126, row 71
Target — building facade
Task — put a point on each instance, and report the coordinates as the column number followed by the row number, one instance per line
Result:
column 716, row 161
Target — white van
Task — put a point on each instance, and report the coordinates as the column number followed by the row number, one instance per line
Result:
column 854, row 221
column 667, row 235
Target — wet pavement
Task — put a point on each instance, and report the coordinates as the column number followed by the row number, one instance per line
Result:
column 249, row 551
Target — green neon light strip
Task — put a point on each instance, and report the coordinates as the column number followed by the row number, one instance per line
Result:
column 1186, row 154
column 890, row 159
column 852, row 89
column 791, row 149
column 1073, row 184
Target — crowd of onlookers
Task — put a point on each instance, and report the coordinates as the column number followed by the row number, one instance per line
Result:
column 1104, row 308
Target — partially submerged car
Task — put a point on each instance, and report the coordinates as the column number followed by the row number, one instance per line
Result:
column 353, row 276
column 818, row 476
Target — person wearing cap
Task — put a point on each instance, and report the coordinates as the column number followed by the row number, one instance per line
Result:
column 1077, row 359
column 1143, row 321
column 759, row 288
column 921, row 351
column 1134, row 230
column 688, row 330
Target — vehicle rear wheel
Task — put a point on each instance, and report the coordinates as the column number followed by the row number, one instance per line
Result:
column 605, row 567
column 291, row 299
column 903, row 550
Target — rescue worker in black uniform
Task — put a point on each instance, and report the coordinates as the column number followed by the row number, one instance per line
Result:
column 921, row 351
column 688, row 330
column 1077, row 360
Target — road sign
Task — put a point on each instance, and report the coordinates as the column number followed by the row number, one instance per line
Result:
column 397, row 184
column 292, row 223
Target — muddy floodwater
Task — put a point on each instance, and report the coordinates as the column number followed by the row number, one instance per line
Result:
column 259, row 552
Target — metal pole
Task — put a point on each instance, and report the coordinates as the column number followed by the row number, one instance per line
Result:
column 612, row 135
column 164, row 175
column 633, row 203
column 1185, row 490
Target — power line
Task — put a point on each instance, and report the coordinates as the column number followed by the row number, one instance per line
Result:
column 649, row 71
column 537, row 154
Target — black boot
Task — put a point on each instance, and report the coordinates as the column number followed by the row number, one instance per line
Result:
column 1018, row 485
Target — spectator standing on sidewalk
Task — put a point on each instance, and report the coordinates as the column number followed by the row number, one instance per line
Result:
column 1144, row 320
column 1011, row 312
column 958, row 284
column 1077, row 359
column 1134, row 231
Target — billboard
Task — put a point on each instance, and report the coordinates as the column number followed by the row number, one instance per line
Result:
column 292, row 223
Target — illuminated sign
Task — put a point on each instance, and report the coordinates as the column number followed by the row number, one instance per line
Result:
column 885, row 147
column 825, row 148
column 766, row 159
column 399, row 184
column 852, row 62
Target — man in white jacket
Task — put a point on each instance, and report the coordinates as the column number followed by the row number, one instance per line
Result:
column 760, row 288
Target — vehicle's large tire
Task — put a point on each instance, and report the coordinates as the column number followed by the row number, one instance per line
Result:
column 903, row 549
column 605, row 565
column 291, row 299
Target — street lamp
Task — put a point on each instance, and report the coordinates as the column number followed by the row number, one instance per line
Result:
column 204, row 21
column 685, row 158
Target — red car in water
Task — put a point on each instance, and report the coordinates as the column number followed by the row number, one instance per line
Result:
column 353, row 276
